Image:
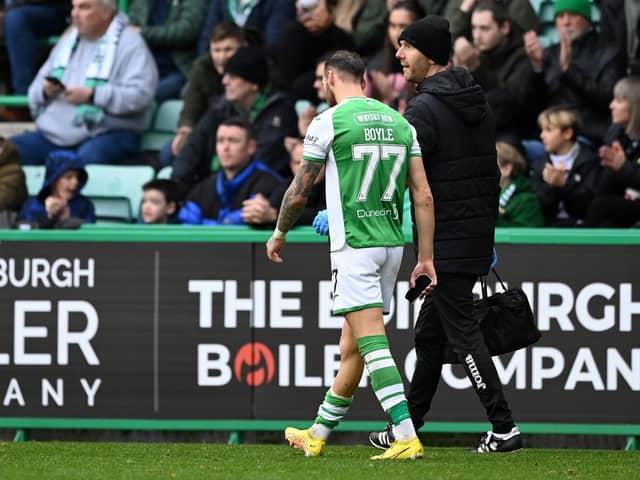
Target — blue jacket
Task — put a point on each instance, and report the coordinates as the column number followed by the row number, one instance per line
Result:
column 218, row 201
column 267, row 16
column 58, row 162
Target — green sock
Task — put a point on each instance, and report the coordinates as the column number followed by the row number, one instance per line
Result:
column 333, row 409
column 385, row 377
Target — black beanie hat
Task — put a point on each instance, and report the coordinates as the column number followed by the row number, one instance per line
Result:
column 431, row 36
column 249, row 63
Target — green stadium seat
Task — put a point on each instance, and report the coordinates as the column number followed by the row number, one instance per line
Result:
column 163, row 126
column 166, row 119
column 116, row 190
column 165, row 172
column 34, row 175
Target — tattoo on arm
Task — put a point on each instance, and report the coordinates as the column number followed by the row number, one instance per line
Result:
column 295, row 199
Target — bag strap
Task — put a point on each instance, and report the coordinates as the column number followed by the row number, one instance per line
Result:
column 483, row 286
column 499, row 279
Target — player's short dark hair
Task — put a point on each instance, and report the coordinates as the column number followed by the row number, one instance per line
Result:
column 346, row 62
column 169, row 188
column 237, row 121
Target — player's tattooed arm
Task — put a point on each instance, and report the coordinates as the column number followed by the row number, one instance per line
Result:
column 297, row 195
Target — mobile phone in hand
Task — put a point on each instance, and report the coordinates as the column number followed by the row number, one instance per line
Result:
column 422, row 282
column 55, row 80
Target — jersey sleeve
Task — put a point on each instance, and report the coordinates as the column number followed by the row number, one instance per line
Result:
column 319, row 138
column 415, row 146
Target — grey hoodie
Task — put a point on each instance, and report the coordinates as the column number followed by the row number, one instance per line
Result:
column 126, row 98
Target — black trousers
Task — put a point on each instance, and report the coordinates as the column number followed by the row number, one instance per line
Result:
column 447, row 316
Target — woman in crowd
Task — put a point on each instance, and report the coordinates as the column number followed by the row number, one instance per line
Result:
column 618, row 201
column 385, row 80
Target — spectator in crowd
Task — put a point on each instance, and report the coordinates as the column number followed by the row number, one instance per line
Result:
column 25, row 23
column 13, row 187
column 385, row 81
column 518, row 204
column 93, row 92
column 264, row 211
column 159, row 202
column 579, row 72
column 370, row 30
column 612, row 26
column 566, row 184
column 266, row 16
column 59, row 204
column 617, row 203
column 248, row 94
column 632, row 34
column 500, row 65
column 171, row 29
column 307, row 110
column 218, row 199
column 350, row 16
column 523, row 17
column 204, row 85
column 304, row 41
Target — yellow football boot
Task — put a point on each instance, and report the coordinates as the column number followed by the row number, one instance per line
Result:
column 399, row 450
column 302, row 439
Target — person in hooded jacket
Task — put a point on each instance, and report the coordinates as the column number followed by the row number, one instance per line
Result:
column 519, row 206
column 59, row 204
column 464, row 178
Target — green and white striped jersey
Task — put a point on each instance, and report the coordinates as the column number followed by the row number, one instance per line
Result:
column 366, row 146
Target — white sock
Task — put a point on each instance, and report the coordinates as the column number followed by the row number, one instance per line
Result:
column 506, row 436
column 320, row 431
column 404, row 430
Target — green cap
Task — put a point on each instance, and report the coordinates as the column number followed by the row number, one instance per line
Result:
column 581, row 7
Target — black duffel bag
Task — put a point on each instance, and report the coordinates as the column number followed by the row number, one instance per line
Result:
column 506, row 321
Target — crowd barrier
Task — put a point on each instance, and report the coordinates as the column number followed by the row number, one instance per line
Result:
column 192, row 328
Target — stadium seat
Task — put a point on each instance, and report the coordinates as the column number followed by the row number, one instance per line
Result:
column 165, row 172
column 116, row 190
column 163, row 126
column 34, row 175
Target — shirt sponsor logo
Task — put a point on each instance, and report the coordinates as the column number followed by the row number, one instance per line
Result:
column 368, row 118
column 383, row 212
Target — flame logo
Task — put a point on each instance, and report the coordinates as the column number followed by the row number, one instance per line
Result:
column 254, row 364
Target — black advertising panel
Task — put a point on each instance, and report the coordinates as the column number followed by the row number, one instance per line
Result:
column 118, row 330
column 194, row 331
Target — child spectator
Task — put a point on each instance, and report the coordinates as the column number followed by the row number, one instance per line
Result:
column 518, row 204
column 59, row 204
column 567, row 182
column 204, row 85
column 159, row 202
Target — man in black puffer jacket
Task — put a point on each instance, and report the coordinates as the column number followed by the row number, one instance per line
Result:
column 456, row 131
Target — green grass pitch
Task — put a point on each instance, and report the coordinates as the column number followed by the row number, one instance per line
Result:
column 97, row 461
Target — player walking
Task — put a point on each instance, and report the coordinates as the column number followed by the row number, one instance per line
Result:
column 371, row 154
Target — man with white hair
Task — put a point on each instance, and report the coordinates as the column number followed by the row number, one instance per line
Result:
column 93, row 92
